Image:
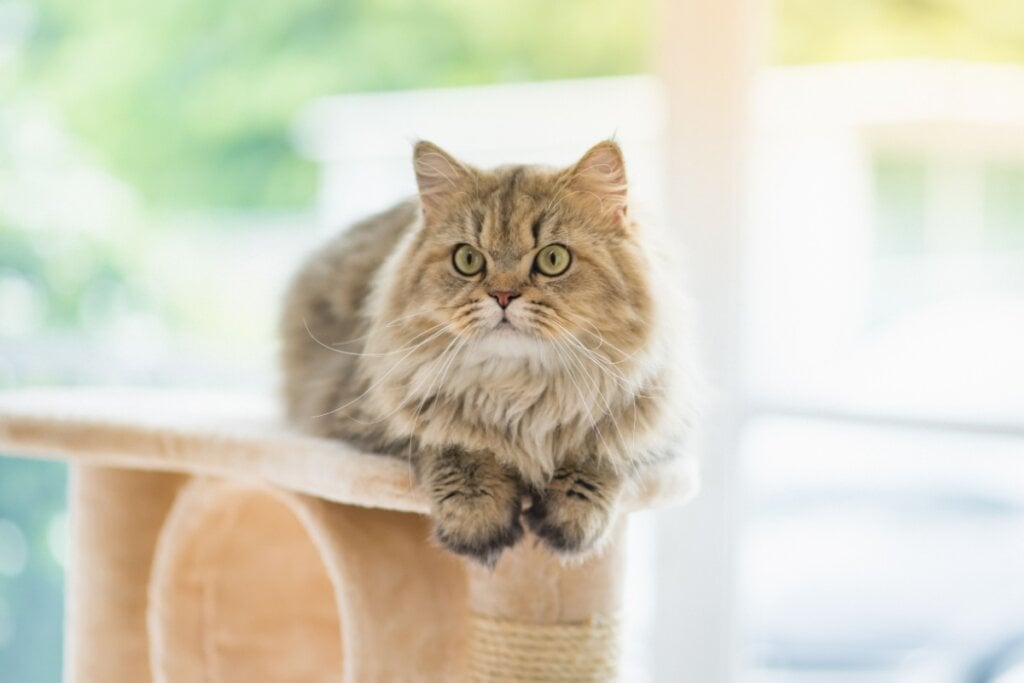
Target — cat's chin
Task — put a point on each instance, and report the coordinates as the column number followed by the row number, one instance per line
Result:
column 506, row 341
column 508, row 329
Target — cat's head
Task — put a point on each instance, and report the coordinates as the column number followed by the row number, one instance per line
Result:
column 526, row 259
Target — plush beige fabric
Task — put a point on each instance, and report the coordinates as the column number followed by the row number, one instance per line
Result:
column 253, row 584
column 212, row 544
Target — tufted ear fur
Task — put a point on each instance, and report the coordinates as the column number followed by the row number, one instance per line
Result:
column 602, row 173
column 439, row 176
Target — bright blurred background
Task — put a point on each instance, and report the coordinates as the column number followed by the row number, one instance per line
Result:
column 164, row 165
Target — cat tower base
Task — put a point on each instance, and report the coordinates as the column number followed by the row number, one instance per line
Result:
column 209, row 542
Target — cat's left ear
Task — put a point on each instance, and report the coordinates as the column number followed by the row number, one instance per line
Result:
column 602, row 173
column 439, row 176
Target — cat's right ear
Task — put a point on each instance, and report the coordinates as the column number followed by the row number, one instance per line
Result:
column 439, row 176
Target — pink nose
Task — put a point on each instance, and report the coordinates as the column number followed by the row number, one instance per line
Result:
column 504, row 297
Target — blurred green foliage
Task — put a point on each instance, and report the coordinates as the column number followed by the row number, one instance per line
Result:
column 75, row 276
column 192, row 99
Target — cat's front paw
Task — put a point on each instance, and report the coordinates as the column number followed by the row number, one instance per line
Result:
column 478, row 524
column 573, row 514
column 476, row 503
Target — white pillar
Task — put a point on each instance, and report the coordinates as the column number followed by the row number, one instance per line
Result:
column 707, row 58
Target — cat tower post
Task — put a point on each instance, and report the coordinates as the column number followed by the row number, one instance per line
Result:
column 209, row 542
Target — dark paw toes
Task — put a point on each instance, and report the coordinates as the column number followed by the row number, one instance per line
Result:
column 557, row 536
column 536, row 516
column 566, row 524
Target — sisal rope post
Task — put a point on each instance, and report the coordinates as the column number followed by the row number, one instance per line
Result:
column 535, row 618
column 502, row 650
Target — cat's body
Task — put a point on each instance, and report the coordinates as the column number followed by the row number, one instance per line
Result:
column 434, row 331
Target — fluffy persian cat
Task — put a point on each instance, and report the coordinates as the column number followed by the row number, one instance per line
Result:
column 511, row 332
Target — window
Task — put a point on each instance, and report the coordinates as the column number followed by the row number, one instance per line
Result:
column 882, row 459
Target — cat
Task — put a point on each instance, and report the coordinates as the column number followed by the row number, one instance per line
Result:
column 512, row 332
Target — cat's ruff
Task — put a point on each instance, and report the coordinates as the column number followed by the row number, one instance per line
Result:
column 211, row 543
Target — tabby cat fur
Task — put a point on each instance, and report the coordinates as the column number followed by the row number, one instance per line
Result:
column 527, row 385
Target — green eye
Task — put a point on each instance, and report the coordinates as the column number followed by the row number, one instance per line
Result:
column 553, row 260
column 467, row 260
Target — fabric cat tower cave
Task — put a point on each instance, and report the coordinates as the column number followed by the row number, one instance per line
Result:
column 211, row 543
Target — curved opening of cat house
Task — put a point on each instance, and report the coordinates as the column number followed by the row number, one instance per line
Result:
column 239, row 592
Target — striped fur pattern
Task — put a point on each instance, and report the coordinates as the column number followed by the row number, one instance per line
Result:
column 536, row 414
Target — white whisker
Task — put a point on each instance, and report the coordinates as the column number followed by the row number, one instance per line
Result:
column 385, row 375
column 607, row 405
column 366, row 354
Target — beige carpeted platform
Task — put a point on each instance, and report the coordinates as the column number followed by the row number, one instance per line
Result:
column 212, row 543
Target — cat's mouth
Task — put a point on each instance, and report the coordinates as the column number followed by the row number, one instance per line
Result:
column 506, row 327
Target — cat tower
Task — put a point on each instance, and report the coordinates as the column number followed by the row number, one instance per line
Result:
column 211, row 543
